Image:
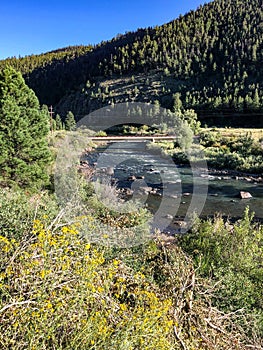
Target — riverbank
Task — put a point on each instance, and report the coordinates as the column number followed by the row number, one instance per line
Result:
column 151, row 179
column 235, row 174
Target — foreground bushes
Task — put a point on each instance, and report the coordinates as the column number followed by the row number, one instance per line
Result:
column 232, row 255
column 18, row 209
column 60, row 291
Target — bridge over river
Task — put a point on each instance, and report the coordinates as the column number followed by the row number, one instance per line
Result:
column 124, row 138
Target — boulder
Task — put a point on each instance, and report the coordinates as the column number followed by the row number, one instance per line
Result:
column 127, row 191
column 169, row 216
column 180, row 223
column 175, row 196
column 245, row 195
column 186, row 194
column 110, row 170
column 145, row 189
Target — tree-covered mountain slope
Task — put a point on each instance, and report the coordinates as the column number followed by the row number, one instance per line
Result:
column 213, row 56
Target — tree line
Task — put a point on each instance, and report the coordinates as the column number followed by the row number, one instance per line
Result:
column 213, row 56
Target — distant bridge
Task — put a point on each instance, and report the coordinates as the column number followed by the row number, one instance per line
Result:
column 133, row 138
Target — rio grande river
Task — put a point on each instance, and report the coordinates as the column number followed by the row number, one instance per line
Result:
column 134, row 168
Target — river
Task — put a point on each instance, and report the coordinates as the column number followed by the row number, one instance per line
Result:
column 185, row 190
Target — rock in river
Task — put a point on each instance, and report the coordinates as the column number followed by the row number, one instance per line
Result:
column 110, row 170
column 245, row 195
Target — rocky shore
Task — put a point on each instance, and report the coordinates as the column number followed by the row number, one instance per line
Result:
column 226, row 174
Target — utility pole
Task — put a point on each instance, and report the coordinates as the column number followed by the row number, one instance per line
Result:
column 51, row 112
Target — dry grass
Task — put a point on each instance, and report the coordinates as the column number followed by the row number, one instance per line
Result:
column 256, row 133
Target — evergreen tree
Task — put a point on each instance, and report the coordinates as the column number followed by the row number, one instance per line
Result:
column 177, row 103
column 70, row 122
column 59, row 125
column 214, row 51
column 256, row 103
column 23, row 133
column 191, row 117
column 52, row 122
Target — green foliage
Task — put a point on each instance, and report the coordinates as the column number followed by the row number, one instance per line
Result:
column 211, row 57
column 177, row 103
column 101, row 133
column 70, row 122
column 240, row 153
column 185, row 136
column 59, row 125
column 190, row 117
column 112, row 217
column 18, row 209
column 58, row 290
column 75, row 299
column 47, row 66
column 232, row 255
column 24, row 127
column 209, row 138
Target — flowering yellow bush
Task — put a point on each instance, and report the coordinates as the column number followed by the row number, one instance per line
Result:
column 59, row 292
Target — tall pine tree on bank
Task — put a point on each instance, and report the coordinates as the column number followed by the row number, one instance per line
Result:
column 70, row 122
column 24, row 127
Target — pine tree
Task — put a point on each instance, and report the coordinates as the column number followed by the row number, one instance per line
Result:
column 70, row 122
column 23, row 133
column 177, row 103
column 59, row 125
column 256, row 100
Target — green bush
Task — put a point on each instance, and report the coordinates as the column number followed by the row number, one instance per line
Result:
column 18, row 209
column 59, row 291
column 242, row 153
column 231, row 255
column 209, row 138
column 101, row 133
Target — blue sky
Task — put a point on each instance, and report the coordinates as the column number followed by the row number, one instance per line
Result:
column 36, row 26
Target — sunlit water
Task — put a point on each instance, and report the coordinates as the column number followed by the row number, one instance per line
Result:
column 177, row 183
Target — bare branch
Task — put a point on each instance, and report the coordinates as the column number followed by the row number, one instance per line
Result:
column 16, row 304
column 176, row 333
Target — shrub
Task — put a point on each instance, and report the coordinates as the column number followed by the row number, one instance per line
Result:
column 209, row 138
column 233, row 256
column 18, row 209
column 101, row 133
column 59, row 292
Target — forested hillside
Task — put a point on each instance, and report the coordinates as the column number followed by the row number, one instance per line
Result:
column 213, row 56
column 157, row 245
